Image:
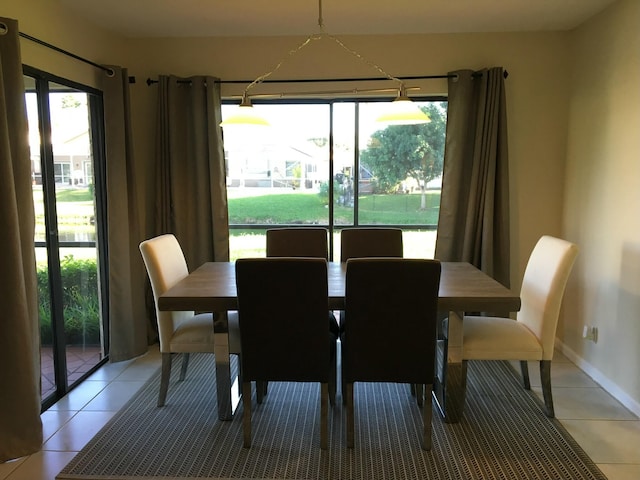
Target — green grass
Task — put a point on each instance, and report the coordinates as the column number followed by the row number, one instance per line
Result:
column 83, row 195
column 308, row 208
column 275, row 209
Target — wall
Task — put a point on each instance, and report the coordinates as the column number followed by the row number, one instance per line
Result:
column 602, row 204
column 47, row 21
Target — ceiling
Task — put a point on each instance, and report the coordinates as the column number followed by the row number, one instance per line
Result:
column 197, row 18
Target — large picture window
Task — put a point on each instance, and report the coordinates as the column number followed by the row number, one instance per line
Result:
column 329, row 163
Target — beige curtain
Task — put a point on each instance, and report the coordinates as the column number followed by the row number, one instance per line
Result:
column 129, row 326
column 474, row 210
column 191, row 187
column 20, row 425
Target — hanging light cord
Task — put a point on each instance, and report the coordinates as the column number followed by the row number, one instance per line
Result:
column 323, row 33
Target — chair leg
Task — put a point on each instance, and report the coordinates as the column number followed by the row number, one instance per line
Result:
column 333, row 379
column 185, row 365
column 324, row 415
column 350, row 414
column 261, row 390
column 419, row 388
column 545, row 377
column 427, row 415
column 164, row 378
column 524, row 368
column 246, row 414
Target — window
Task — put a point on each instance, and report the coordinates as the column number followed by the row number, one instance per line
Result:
column 67, row 164
column 328, row 163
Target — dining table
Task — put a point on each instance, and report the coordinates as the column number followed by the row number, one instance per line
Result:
column 463, row 289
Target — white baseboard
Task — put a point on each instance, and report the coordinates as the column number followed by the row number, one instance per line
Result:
column 612, row 388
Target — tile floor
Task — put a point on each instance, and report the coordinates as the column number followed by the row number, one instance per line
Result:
column 606, row 430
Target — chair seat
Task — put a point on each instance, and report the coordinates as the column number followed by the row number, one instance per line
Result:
column 496, row 338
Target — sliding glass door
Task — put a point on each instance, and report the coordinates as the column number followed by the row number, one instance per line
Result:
column 65, row 133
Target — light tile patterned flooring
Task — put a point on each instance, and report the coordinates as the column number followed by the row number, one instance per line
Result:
column 607, row 431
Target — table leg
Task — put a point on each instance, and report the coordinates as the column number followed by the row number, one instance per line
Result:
column 450, row 383
column 228, row 398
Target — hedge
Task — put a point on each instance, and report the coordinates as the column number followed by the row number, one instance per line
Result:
column 81, row 303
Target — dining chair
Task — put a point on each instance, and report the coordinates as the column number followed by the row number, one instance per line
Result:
column 179, row 332
column 298, row 242
column 282, row 308
column 531, row 335
column 389, row 333
column 369, row 242
column 365, row 242
column 304, row 242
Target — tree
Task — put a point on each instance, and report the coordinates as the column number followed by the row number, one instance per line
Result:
column 400, row 152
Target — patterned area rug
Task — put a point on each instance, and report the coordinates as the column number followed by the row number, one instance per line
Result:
column 503, row 435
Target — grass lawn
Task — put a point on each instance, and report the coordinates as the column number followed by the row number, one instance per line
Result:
column 309, row 208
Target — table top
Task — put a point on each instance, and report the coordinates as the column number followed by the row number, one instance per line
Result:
column 463, row 287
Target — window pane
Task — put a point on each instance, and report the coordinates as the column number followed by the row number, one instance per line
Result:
column 402, row 167
column 381, row 175
column 279, row 174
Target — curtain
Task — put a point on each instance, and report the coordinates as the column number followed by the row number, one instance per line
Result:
column 129, row 325
column 191, row 190
column 474, row 209
column 20, row 425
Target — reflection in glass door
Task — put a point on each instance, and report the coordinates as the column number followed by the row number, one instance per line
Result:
column 65, row 140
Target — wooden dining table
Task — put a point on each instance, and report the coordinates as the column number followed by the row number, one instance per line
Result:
column 463, row 288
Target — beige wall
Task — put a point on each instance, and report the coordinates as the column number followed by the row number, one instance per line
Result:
column 602, row 203
column 550, row 120
column 45, row 20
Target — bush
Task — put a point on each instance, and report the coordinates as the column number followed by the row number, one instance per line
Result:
column 81, row 304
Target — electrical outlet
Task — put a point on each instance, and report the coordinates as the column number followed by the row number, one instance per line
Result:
column 590, row 333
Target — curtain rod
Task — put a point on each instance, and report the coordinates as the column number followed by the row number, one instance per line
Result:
column 150, row 81
column 318, row 80
column 109, row 71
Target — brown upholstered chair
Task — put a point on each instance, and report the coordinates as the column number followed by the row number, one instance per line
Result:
column 305, row 242
column 179, row 332
column 298, row 242
column 532, row 335
column 367, row 242
column 390, row 328
column 282, row 309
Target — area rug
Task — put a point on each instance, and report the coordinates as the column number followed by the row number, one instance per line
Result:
column 503, row 435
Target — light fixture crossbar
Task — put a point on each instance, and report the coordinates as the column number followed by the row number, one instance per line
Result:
column 404, row 112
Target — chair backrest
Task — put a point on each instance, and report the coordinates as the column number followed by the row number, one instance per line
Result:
column 391, row 307
column 370, row 242
column 297, row 242
column 282, row 309
column 543, row 285
column 166, row 266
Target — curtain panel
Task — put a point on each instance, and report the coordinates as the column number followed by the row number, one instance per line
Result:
column 130, row 329
column 191, row 189
column 474, row 210
column 20, row 425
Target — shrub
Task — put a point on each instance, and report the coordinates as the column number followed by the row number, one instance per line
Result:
column 81, row 304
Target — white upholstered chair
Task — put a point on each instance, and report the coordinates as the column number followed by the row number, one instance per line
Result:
column 179, row 332
column 532, row 335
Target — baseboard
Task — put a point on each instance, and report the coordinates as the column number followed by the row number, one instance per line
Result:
column 611, row 387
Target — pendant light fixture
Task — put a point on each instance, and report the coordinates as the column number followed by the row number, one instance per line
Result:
column 402, row 111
